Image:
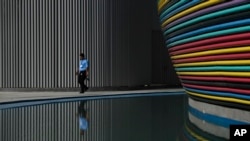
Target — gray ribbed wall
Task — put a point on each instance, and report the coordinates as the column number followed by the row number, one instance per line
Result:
column 40, row 42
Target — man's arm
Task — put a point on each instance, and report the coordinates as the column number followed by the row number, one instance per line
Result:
column 87, row 71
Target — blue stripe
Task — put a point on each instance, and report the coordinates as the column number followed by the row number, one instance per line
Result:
column 211, row 34
column 24, row 103
column 176, row 8
column 214, row 119
column 217, row 93
column 210, row 29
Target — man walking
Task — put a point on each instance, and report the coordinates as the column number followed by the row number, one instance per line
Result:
column 83, row 72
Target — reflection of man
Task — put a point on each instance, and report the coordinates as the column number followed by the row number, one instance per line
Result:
column 83, row 118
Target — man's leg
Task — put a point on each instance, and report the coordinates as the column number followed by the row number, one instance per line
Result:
column 81, row 110
column 81, row 82
column 84, row 85
column 82, row 88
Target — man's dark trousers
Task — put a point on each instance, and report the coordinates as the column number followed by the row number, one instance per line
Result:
column 81, row 78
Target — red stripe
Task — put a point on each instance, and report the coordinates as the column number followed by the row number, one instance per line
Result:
column 224, row 89
column 233, row 37
column 227, row 79
column 213, row 46
column 214, row 58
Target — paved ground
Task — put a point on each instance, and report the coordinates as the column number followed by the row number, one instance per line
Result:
column 8, row 96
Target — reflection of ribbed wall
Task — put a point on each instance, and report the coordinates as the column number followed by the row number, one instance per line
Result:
column 120, row 119
column 210, row 48
column 54, row 122
column 40, row 42
column 127, row 119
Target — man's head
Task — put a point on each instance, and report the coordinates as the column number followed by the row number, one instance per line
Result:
column 81, row 56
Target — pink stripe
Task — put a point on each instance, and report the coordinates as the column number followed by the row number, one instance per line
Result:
column 211, row 78
column 213, row 46
column 218, row 89
column 233, row 37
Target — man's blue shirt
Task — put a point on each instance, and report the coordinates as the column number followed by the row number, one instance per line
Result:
column 83, row 123
column 83, row 65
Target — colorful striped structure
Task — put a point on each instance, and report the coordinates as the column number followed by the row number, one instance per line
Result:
column 209, row 44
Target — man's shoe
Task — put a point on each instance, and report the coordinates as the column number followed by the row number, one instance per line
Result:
column 86, row 88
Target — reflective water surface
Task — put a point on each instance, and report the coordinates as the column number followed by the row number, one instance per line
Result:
column 158, row 118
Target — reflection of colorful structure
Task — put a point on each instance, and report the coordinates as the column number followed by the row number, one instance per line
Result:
column 206, row 121
column 193, row 133
column 209, row 44
column 215, row 119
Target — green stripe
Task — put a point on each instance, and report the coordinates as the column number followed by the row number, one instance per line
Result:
column 213, row 34
column 215, row 68
column 209, row 16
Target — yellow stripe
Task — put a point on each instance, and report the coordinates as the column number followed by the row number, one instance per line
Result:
column 200, row 138
column 191, row 10
column 217, row 73
column 220, row 98
column 227, row 62
column 161, row 4
column 213, row 52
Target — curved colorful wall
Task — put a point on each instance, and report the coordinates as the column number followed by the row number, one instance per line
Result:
column 209, row 44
